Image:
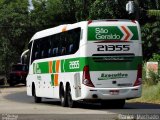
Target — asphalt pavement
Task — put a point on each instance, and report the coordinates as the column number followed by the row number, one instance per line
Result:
column 16, row 105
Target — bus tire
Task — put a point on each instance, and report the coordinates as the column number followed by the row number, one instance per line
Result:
column 36, row 99
column 71, row 102
column 62, row 96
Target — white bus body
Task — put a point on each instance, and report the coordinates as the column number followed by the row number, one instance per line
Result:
column 90, row 60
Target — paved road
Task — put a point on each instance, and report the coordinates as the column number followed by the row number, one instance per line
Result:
column 14, row 101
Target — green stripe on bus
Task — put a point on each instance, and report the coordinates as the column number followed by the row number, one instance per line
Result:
column 41, row 67
column 62, row 65
column 52, row 79
column 77, row 65
column 134, row 30
column 54, row 67
column 74, row 64
column 113, row 66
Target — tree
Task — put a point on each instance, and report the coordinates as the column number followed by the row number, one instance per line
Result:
column 13, row 33
column 151, row 39
column 48, row 13
column 108, row 9
column 83, row 9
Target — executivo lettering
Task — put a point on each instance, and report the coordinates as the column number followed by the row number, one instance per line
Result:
column 112, row 76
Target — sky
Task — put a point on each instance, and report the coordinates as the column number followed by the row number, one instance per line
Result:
column 31, row 7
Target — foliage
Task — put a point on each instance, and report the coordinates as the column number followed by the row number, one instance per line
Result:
column 95, row 9
column 17, row 24
column 149, row 4
column 83, row 9
column 13, row 32
column 13, row 22
column 150, row 94
column 153, row 12
column 45, row 14
column 108, row 9
column 155, row 57
column 152, row 79
column 151, row 39
column 69, row 11
column 144, row 72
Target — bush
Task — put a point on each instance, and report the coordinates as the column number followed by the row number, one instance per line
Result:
column 2, row 80
column 153, row 78
column 155, row 57
column 144, row 73
column 150, row 94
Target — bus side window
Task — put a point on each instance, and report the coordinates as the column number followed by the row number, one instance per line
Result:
column 70, row 49
column 49, row 52
column 55, row 51
column 44, row 47
column 36, row 55
column 63, row 52
column 42, row 54
column 74, row 40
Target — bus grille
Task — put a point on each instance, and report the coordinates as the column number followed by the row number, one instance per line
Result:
column 113, row 57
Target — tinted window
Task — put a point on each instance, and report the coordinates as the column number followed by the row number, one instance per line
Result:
column 60, row 44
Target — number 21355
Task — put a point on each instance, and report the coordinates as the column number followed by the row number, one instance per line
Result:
column 113, row 47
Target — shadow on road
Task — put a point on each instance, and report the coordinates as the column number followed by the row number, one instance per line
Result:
column 23, row 98
column 16, row 86
column 138, row 105
column 19, row 97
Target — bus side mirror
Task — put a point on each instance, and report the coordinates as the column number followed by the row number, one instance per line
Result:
column 130, row 7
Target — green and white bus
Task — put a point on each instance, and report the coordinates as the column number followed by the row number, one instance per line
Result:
column 96, row 60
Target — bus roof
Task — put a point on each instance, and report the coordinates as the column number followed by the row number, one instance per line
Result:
column 47, row 32
column 61, row 28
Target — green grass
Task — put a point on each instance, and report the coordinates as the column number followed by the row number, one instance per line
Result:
column 150, row 94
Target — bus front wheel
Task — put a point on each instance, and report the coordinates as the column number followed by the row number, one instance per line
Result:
column 36, row 99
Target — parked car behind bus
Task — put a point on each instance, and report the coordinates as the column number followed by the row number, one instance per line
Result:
column 18, row 74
